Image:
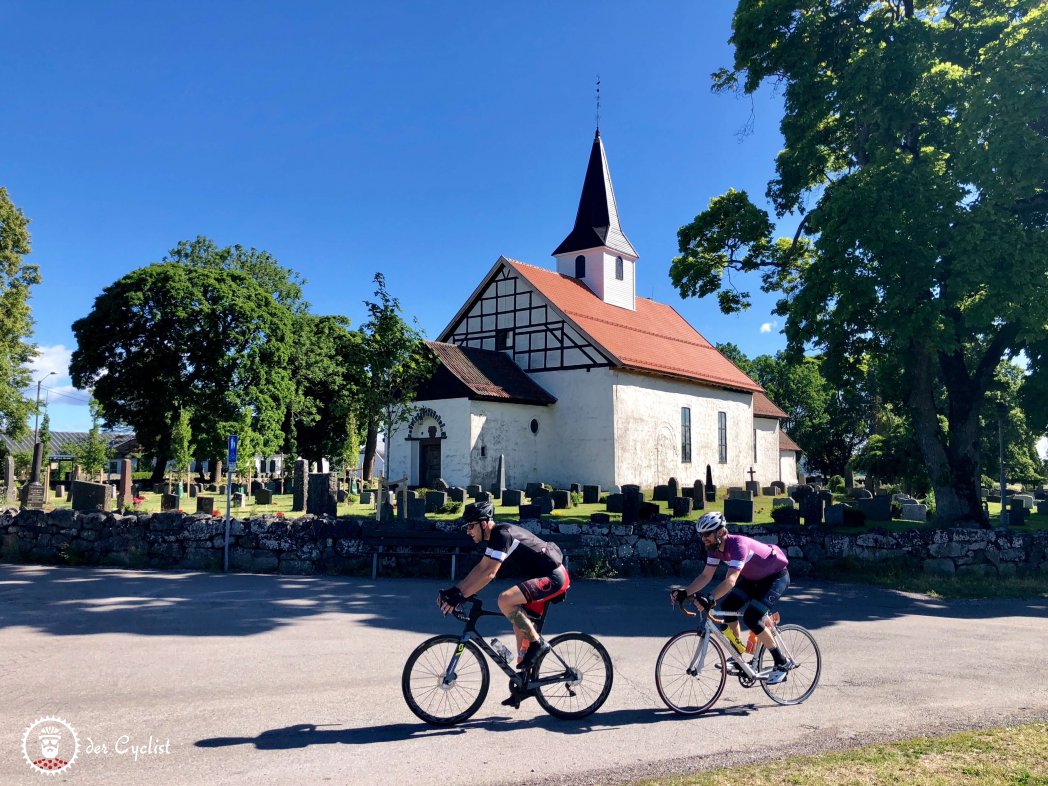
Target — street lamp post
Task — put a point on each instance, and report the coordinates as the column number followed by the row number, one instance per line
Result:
column 36, row 422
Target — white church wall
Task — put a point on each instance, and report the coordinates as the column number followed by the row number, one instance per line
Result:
column 454, row 414
column 619, row 293
column 505, row 429
column 788, row 466
column 766, row 434
column 648, row 431
column 578, row 446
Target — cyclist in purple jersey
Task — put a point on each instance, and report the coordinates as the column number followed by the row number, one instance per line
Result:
column 757, row 575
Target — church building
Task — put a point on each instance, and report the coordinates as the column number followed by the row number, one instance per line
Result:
column 573, row 378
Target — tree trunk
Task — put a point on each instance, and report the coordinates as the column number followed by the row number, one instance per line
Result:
column 370, row 445
column 159, row 467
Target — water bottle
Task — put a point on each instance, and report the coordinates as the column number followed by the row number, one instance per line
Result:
column 501, row 649
column 734, row 639
column 751, row 643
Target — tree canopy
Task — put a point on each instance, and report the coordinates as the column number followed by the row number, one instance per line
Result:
column 169, row 337
column 916, row 156
column 16, row 322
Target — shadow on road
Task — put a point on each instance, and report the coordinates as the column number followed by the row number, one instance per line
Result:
column 303, row 735
column 80, row 601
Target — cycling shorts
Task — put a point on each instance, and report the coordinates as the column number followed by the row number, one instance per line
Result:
column 538, row 592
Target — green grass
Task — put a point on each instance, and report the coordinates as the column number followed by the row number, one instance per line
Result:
column 1011, row 755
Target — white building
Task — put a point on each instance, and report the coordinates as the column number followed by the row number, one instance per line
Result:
column 575, row 379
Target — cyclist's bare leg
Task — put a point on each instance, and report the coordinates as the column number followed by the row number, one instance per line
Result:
column 511, row 603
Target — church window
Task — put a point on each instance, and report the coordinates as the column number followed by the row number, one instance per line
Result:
column 685, row 435
column 722, row 437
column 580, row 266
column 619, row 273
column 534, row 426
column 504, row 339
column 483, row 451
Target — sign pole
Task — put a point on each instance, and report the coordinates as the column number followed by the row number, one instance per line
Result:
column 231, row 460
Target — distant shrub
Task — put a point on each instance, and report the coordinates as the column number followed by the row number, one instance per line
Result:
column 836, row 483
column 451, row 507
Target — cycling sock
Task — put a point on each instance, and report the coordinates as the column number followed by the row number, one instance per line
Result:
column 777, row 656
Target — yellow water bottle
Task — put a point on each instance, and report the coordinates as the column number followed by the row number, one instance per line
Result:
column 734, row 639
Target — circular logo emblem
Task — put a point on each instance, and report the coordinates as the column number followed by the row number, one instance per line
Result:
column 50, row 745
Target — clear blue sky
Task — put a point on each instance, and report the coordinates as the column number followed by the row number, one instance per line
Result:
column 421, row 139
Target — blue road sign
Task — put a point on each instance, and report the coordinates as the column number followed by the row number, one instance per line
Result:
column 231, row 446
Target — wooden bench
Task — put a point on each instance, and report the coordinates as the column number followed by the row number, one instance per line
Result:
column 422, row 543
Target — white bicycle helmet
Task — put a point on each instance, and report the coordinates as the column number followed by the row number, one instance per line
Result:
column 711, row 522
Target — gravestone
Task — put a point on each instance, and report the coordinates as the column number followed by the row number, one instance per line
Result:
column 860, row 493
column 263, row 497
column 787, row 517
column 876, row 508
column 473, row 490
column 1026, row 499
column 529, row 512
column 276, row 485
column 366, row 498
column 500, row 479
column 768, row 491
column 195, row 489
column 219, row 477
column 1017, row 512
column 168, row 502
column 633, row 489
column 590, row 495
column 914, row 512
column 779, row 486
column 575, row 488
column 123, row 489
column 457, row 494
column 60, row 491
column 512, row 497
column 698, row 495
column 416, row 508
column 738, row 493
column 711, row 493
column 256, row 485
column 801, row 492
column 440, row 484
column 561, row 498
column 544, row 504
column 32, row 497
column 674, row 488
column 238, row 499
column 613, row 503
column 648, row 511
column 321, row 498
column 631, row 502
column 661, row 493
column 834, row 515
column 343, row 496
column 10, row 490
column 205, row 505
column 811, row 509
column 86, row 496
column 534, row 489
column 435, row 500
column 783, row 502
column 300, row 498
column 738, row 510
column 754, row 488
column 681, row 506
column 483, row 496
column 825, row 495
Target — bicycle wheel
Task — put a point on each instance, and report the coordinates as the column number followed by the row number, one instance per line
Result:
column 591, row 674
column 799, row 646
column 427, row 694
column 684, row 690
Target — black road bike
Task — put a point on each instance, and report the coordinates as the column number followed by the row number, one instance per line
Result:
column 446, row 678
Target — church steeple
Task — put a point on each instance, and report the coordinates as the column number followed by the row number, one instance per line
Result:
column 596, row 251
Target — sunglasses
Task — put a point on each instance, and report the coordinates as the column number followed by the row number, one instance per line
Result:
column 470, row 525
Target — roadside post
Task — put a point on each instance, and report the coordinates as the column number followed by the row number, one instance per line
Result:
column 231, row 460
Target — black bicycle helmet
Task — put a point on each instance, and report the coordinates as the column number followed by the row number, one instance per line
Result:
column 478, row 511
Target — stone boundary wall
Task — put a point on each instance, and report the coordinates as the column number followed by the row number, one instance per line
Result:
column 317, row 544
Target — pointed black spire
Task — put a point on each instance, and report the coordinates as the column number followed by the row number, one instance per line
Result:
column 597, row 222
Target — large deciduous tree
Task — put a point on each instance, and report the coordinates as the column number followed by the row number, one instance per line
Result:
column 16, row 322
column 170, row 336
column 916, row 154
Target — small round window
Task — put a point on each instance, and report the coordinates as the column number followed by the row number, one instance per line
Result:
column 534, row 426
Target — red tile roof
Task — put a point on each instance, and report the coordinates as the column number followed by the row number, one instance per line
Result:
column 654, row 338
column 764, row 407
column 785, row 443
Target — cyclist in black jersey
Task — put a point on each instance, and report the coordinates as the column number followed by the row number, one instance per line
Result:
column 502, row 543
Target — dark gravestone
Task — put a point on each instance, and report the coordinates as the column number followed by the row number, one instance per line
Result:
column 343, row 496
column 631, row 488
column 853, row 517
column 561, row 498
column 754, row 488
column 834, row 515
column 631, row 502
column 802, row 492
column 600, row 518
column 544, row 504
column 825, row 495
column 529, row 512
column 575, row 488
column 648, row 511
column 500, row 479
column 512, row 497
column 811, row 509
column 168, row 502
column 256, row 485
column 238, row 499
column 661, row 493
column 206, row 505
column 123, row 488
column 738, row 510
column 1016, row 512
column 860, row 493
column 435, row 500
column 321, row 499
column 10, row 491
column 473, row 490
column 532, row 489
column 613, row 503
column 367, row 497
column 440, row 484
column 483, row 496
column 779, row 486
column 60, row 491
column 768, row 491
column 681, row 506
column 786, row 517
column 590, row 495
column 417, row 507
column 457, row 494
column 219, row 477
column 263, row 497
column 300, row 498
column 194, row 489
column 276, row 486
column 674, row 488
column 698, row 495
column 32, row 497
column 876, row 509
column 711, row 493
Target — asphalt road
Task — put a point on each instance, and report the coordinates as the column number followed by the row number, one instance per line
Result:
column 295, row 680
